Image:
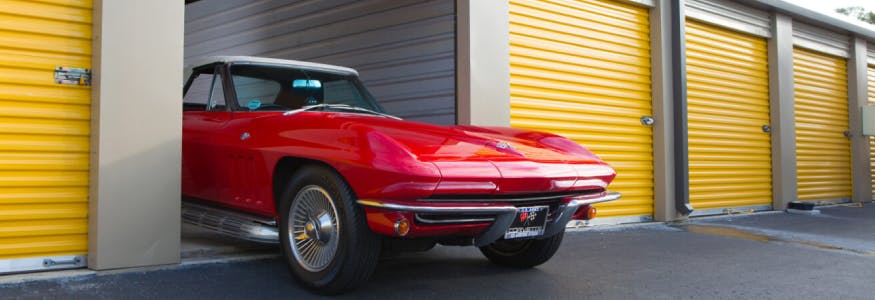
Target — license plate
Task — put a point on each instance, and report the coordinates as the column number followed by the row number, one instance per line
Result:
column 529, row 222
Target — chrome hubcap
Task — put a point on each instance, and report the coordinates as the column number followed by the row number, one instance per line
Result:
column 313, row 228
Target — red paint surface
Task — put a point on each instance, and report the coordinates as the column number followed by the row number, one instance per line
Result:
column 382, row 159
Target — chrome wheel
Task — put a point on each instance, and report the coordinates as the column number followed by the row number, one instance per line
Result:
column 314, row 228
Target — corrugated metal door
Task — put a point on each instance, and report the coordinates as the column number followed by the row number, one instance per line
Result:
column 44, row 134
column 823, row 153
column 728, row 104
column 581, row 69
column 872, row 139
column 404, row 50
column 821, row 40
column 870, row 58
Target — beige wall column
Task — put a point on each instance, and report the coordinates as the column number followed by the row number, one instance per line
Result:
column 136, row 133
column 482, row 62
column 782, row 111
column 663, row 112
column 857, row 99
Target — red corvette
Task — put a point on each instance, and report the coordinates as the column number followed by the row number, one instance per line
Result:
column 301, row 154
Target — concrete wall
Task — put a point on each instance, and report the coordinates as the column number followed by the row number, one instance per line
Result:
column 136, row 133
column 483, row 62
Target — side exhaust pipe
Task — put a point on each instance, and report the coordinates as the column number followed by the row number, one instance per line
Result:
column 235, row 224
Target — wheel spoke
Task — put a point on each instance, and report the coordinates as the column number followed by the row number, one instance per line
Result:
column 308, row 251
column 301, row 244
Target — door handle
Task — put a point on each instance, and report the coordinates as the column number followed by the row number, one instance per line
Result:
column 647, row 120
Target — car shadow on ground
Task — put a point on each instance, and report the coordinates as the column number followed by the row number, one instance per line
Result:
column 451, row 273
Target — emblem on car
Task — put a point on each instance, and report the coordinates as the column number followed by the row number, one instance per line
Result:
column 528, row 217
column 503, row 145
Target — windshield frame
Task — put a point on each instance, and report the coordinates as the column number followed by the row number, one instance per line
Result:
column 353, row 78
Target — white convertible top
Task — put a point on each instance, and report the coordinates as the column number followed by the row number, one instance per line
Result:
column 269, row 61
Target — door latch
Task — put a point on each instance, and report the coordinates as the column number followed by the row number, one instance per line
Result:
column 767, row 128
column 847, row 133
column 647, row 120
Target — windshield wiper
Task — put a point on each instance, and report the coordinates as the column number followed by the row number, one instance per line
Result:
column 340, row 107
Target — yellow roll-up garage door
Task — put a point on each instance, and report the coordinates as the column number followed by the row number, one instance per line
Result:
column 44, row 133
column 871, row 80
column 823, row 153
column 728, row 104
column 581, row 69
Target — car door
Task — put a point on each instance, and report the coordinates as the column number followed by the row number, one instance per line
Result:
column 205, row 138
column 250, row 187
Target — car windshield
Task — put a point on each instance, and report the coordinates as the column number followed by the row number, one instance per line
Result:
column 261, row 88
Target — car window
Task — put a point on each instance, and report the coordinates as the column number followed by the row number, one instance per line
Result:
column 198, row 93
column 217, row 95
column 204, row 94
column 342, row 92
column 286, row 88
column 254, row 93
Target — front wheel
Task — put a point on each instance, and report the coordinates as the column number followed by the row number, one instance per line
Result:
column 324, row 235
column 522, row 253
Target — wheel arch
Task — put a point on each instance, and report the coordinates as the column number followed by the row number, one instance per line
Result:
column 286, row 167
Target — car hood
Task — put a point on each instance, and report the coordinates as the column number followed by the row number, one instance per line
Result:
column 471, row 143
column 474, row 159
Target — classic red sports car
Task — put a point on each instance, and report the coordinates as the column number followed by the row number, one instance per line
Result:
column 300, row 153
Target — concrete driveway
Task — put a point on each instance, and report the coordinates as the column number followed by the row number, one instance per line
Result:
column 762, row 256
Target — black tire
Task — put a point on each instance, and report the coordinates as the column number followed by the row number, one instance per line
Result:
column 357, row 247
column 522, row 253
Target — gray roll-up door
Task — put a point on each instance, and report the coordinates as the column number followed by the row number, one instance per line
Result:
column 403, row 50
column 730, row 15
column 820, row 40
column 870, row 49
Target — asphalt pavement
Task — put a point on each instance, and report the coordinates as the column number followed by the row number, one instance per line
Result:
column 774, row 255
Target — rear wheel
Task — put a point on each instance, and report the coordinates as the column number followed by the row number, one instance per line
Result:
column 324, row 234
column 522, row 253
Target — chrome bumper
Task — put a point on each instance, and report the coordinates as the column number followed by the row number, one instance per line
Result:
column 504, row 214
column 560, row 220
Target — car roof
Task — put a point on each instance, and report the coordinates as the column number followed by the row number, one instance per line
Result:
column 272, row 61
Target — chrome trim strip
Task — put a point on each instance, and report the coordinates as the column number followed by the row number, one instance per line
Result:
column 602, row 197
column 441, row 209
column 590, row 198
column 460, row 221
column 520, row 199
